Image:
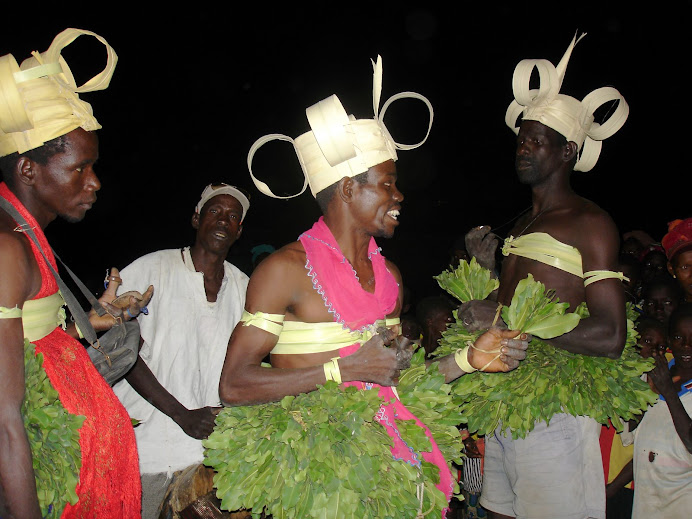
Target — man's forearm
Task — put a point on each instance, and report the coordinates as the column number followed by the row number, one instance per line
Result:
column 17, row 481
column 594, row 338
column 681, row 420
column 145, row 383
column 258, row 385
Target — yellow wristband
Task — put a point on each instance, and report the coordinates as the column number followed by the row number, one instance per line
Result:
column 332, row 371
column 461, row 357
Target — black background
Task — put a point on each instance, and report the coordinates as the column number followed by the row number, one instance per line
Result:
column 196, row 84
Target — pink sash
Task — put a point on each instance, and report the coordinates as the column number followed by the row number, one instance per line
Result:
column 336, row 281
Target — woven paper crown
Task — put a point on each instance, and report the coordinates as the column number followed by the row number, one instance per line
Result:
column 566, row 115
column 39, row 101
column 340, row 145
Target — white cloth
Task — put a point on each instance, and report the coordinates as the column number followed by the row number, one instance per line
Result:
column 662, row 487
column 185, row 341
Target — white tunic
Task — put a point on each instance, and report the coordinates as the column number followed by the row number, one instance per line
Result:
column 662, row 487
column 185, row 341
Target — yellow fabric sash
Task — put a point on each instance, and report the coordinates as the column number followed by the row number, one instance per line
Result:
column 296, row 337
column 542, row 247
column 41, row 316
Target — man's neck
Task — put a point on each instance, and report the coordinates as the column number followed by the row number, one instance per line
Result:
column 39, row 212
column 208, row 263
column 353, row 244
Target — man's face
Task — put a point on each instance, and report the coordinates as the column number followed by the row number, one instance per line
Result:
column 681, row 268
column 219, row 224
column 378, row 202
column 67, row 183
column 681, row 341
column 539, row 153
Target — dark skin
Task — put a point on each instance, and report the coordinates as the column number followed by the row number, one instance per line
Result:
column 280, row 285
column 680, row 267
column 65, row 186
column 218, row 227
column 545, row 165
column 544, row 161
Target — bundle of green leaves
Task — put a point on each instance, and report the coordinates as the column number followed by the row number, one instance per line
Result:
column 53, row 435
column 468, row 281
column 550, row 380
column 323, row 454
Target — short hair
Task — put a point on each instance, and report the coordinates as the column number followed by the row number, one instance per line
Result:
column 662, row 280
column 40, row 155
column 649, row 323
column 325, row 196
column 682, row 311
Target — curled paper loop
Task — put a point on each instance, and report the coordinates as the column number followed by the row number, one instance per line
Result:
column 262, row 186
column 39, row 100
column 566, row 115
column 339, row 145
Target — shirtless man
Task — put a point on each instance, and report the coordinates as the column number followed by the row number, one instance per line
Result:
column 554, row 475
column 335, row 278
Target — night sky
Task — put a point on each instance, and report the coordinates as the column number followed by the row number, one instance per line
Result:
column 195, row 87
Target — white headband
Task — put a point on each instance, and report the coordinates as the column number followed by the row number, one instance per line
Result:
column 566, row 115
column 39, row 101
column 340, row 145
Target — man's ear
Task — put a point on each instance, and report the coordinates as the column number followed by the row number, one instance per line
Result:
column 240, row 231
column 26, row 170
column 570, row 151
column 195, row 220
column 344, row 189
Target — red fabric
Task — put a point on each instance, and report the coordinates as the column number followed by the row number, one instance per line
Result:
column 109, row 482
column 334, row 278
column 679, row 236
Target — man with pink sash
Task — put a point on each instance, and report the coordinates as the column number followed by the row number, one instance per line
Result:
column 327, row 306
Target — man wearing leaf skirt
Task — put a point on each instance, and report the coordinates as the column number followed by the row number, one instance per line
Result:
column 570, row 245
column 326, row 307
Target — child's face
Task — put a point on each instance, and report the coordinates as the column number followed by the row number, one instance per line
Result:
column 651, row 340
column 681, row 342
column 681, row 268
column 659, row 303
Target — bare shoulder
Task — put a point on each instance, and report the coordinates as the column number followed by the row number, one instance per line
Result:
column 19, row 276
column 276, row 280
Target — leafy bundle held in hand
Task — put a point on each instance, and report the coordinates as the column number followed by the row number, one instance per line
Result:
column 53, row 435
column 323, row 454
column 550, row 380
column 468, row 281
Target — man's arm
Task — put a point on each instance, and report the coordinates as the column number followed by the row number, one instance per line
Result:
column 604, row 332
column 197, row 423
column 278, row 286
column 17, row 483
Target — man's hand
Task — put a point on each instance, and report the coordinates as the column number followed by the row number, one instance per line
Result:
column 478, row 314
column 198, row 423
column 498, row 350
column 482, row 245
column 375, row 362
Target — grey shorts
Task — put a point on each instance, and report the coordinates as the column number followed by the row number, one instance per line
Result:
column 555, row 472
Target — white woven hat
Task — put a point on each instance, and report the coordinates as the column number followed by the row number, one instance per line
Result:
column 566, row 115
column 39, row 101
column 339, row 145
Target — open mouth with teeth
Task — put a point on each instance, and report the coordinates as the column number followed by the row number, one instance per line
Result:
column 394, row 213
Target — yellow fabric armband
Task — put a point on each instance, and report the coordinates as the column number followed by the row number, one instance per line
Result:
column 272, row 323
column 10, row 313
column 461, row 357
column 592, row 276
column 332, row 371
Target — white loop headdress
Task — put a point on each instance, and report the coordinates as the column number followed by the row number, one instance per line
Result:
column 340, row 145
column 39, row 101
column 566, row 115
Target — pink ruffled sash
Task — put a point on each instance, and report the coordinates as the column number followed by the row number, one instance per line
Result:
column 336, row 281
